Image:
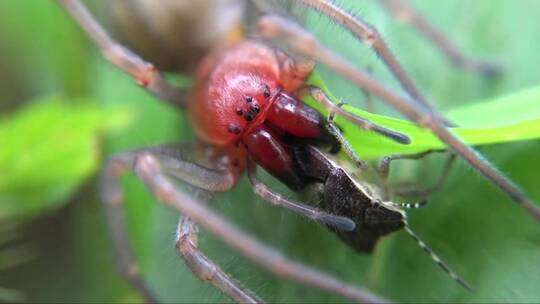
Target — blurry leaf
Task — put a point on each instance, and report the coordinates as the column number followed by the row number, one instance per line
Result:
column 10, row 295
column 48, row 149
column 509, row 118
column 34, row 39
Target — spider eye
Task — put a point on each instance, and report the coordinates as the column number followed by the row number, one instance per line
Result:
column 234, row 129
column 266, row 91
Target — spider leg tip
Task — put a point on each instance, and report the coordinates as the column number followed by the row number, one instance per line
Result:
column 338, row 222
column 400, row 138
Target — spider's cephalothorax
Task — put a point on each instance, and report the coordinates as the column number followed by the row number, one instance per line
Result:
column 244, row 97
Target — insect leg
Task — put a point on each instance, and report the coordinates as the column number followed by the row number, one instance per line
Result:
column 423, row 192
column 267, row 194
column 143, row 72
column 305, row 43
column 363, row 123
column 187, row 244
column 147, row 168
column 406, row 190
column 384, row 165
column 403, row 11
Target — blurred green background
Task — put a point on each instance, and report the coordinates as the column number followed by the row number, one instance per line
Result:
column 64, row 110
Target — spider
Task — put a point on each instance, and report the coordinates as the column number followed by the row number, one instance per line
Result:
column 254, row 125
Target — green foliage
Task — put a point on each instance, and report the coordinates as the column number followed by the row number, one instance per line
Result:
column 50, row 149
column 477, row 230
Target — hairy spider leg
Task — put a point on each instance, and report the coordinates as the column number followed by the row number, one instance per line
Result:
column 300, row 40
column 267, row 194
column 363, row 123
column 112, row 199
column 367, row 34
column 187, row 236
column 404, row 11
column 144, row 73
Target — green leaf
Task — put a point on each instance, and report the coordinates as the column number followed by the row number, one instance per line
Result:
column 513, row 117
column 49, row 148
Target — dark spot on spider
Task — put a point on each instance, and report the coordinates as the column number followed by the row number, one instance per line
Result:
column 234, row 129
column 266, row 91
column 255, row 108
column 239, row 111
column 249, row 116
column 249, row 99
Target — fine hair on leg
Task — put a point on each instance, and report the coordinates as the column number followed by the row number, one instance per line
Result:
column 187, row 237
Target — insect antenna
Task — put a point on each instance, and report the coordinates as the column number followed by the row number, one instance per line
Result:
column 416, row 205
column 444, row 266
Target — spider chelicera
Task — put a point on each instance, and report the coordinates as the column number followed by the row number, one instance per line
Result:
column 246, row 109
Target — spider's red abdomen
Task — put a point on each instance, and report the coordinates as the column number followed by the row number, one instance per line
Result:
column 233, row 91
